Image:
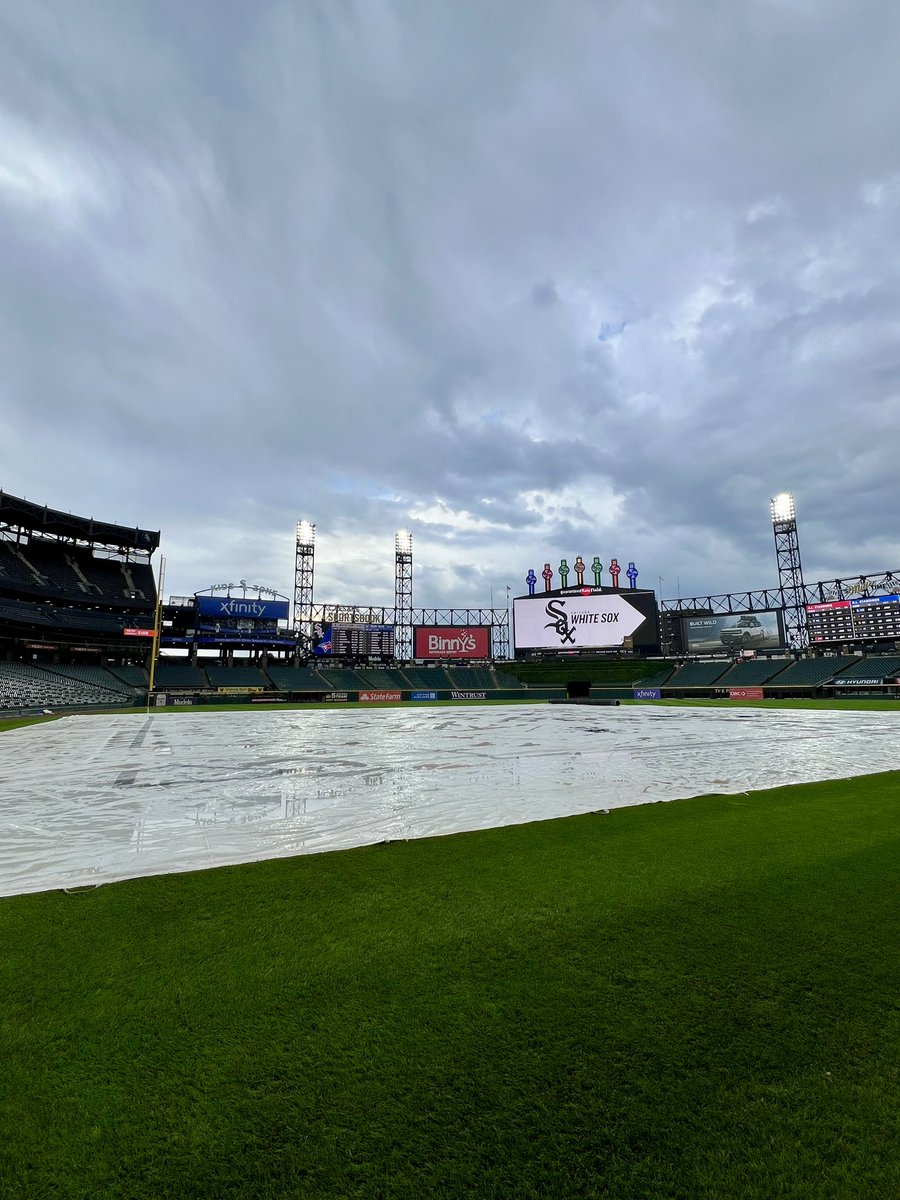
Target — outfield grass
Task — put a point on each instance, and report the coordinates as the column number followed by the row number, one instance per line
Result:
column 694, row 1000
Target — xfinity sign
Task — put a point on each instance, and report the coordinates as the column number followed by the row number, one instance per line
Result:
column 223, row 608
column 574, row 622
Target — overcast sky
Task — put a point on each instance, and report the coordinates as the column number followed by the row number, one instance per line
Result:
column 530, row 279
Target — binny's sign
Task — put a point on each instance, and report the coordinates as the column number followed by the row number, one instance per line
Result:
column 452, row 641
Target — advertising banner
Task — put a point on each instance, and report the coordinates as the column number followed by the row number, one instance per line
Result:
column 578, row 622
column 452, row 641
column 377, row 696
column 139, row 633
column 221, row 608
column 745, row 693
column 646, row 694
column 733, row 632
column 423, row 695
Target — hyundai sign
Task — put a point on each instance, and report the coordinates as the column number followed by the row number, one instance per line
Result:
column 587, row 620
column 241, row 608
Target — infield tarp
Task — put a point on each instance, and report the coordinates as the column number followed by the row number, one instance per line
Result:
column 93, row 799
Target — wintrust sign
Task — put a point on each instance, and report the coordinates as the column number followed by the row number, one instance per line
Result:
column 574, row 622
column 452, row 641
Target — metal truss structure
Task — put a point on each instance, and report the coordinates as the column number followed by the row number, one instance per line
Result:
column 790, row 571
column 876, row 583
column 849, row 587
column 403, row 568
column 304, row 577
column 353, row 614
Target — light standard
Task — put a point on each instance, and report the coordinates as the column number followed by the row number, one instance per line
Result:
column 790, row 569
column 403, row 565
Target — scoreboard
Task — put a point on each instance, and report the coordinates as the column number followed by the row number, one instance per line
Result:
column 354, row 641
column 868, row 619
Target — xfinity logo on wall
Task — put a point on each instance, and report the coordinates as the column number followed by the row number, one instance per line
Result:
column 573, row 622
column 242, row 608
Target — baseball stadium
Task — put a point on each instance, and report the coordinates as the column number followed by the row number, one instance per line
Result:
column 593, row 894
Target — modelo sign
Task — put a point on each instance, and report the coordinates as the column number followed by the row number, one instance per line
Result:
column 452, row 641
column 574, row 622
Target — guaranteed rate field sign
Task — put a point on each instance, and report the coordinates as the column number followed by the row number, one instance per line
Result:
column 575, row 622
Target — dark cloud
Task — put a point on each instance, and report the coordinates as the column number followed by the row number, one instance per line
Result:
column 531, row 281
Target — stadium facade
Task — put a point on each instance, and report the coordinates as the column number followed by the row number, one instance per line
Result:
column 82, row 623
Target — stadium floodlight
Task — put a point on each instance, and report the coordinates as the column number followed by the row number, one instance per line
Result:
column 783, row 507
column 306, row 533
column 403, row 541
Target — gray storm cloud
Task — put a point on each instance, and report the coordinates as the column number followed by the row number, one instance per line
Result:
column 530, row 282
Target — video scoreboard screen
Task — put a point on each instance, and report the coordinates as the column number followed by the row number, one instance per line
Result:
column 354, row 641
column 588, row 618
column 868, row 619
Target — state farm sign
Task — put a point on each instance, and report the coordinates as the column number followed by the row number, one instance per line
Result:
column 452, row 641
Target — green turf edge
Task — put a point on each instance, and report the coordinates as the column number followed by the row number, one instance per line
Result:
column 695, row 999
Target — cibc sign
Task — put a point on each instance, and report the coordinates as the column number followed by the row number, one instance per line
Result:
column 452, row 641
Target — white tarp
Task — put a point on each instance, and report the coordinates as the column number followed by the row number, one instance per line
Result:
column 94, row 799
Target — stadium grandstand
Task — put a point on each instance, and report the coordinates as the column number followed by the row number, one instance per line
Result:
column 77, row 603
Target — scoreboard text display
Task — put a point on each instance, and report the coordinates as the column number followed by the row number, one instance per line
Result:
column 584, row 619
column 868, row 619
column 452, row 641
column 353, row 641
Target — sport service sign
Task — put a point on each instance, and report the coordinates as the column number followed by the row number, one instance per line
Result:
column 452, row 641
column 574, row 622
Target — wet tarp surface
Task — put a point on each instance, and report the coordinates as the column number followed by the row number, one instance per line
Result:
column 87, row 800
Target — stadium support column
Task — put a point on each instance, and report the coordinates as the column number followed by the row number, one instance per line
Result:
column 790, row 571
column 304, row 577
column 403, row 596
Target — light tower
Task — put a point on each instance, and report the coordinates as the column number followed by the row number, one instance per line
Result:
column 403, row 595
column 790, row 571
column 304, row 577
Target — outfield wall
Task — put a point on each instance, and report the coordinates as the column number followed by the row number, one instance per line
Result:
column 368, row 699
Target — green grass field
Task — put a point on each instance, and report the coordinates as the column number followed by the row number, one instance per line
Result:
column 699, row 999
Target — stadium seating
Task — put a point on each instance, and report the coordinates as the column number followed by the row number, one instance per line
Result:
column 812, row 672
column 62, row 570
column 472, row 678
column 236, row 676
column 342, row 678
column 14, row 567
column 50, row 560
column 298, row 679
column 430, row 678
column 753, row 672
column 172, row 675
column 697, row 674
column 26, row 686
column 383, row 678
column 136, row 678
column 24, row 613
column 508, row 681
column 653, row 681
column 95, row 676
column 875, row 666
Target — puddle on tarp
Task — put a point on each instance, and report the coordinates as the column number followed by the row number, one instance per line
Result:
column 94, row 799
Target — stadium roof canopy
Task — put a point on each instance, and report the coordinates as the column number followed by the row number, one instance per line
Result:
column 37, row 518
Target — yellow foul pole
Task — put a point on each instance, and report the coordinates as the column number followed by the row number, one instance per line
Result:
column 154, row 653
